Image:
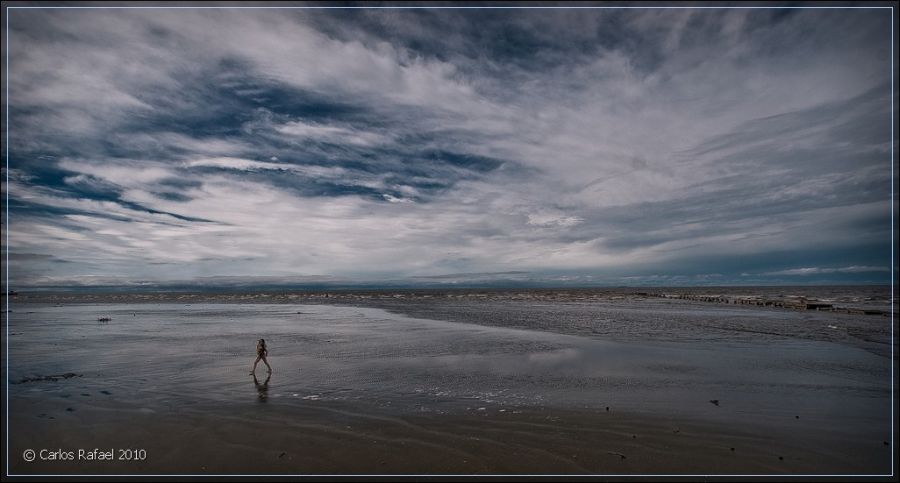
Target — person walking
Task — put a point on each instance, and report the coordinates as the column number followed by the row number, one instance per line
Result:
column 261, row 353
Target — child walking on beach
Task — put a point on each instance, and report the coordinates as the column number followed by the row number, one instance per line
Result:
column 261, row 353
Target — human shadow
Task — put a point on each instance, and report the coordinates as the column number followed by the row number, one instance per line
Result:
column 262, row 389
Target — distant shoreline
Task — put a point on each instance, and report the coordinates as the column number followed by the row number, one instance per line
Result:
column 848, row 299
column 238, row 290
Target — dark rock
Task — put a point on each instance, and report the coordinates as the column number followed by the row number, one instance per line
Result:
column 55, row 377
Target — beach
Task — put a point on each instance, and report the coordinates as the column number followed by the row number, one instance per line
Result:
column 499, row 241
column 610, row 385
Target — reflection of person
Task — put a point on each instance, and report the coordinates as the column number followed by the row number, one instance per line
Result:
column 261, row 353
column 262, row 389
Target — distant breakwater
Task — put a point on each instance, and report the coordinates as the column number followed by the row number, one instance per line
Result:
column 788, row 302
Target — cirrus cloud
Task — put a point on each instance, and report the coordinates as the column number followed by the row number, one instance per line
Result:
column 588, row 146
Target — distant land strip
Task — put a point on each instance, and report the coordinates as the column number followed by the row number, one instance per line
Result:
column 783, row 301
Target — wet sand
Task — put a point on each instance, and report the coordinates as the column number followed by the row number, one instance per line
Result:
column 363, row 391
column 320, row 437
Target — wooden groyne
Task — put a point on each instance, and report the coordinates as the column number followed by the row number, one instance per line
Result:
column 788, row 302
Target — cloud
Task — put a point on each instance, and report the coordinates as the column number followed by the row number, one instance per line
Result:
column 250, row 165
column 577, row 146
column 820, row 270
column 332, row 134
column 553, row 219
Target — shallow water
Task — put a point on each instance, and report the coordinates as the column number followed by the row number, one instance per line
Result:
column 163, row 356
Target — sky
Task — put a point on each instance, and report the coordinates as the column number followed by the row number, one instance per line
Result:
column 447, row 147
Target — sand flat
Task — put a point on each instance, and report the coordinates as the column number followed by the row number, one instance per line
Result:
column 359, row 390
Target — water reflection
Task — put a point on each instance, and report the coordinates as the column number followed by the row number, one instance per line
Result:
column 262, row 389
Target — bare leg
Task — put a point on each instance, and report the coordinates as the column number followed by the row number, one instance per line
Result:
column 267, row 364
column 253, row 371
